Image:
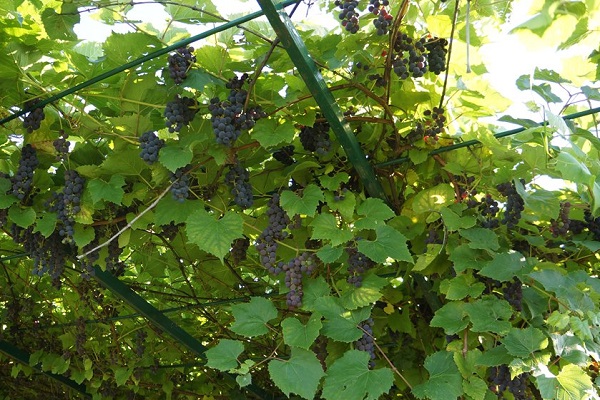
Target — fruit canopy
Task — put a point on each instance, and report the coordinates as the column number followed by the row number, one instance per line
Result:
column 321, row 202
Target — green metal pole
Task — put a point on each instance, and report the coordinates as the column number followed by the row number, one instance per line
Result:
column 23, row 357
column 293, row 44
column 140, row 60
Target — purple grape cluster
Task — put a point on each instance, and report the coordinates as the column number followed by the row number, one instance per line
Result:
column 22, row 181
column 489, row 208
column 80, row 336
column 358, row 264
column 593, row 224
column 366, row 342
column 266, row 244
column 228, row 117
column 409, row 59
column 88, row 262
column 33, row 119
column 514, row 204
column 180, row 62
column 140, row 343
column 433, row 237
column 112, row 258
column 150, row 145
column 304, row 263
column 49, row 254
column 239, row 249
column 238, row 178
column 316, row 138
column 180, row 189
column 513, row 293
column 436, row 54
column 379, row 80
column 67, row 204
column 500, row 380
column 61, row 145
column 560, row 226
column 170, row 230
column 384, row 19
column 349, row 14
column 179, row 112
column 285, row 155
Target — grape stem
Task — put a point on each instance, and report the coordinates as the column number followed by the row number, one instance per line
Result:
column 129, row 225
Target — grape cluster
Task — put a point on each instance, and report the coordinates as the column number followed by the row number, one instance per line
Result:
column 436, row 54
column 150, row 145
column 489, row 208
column 285, row 155
column 431, row 127
column 500, row 381
column 22, row 182
column 514, row 204
column 513, row 293
column 358, row 264
column 80, row 336
column 384, row 19
column 88, row 262
column 379, row 80
column 266, row 244
column 179, row 112
column 33, row 119
column 228, row 117
column 67, row 204
column 433, row 237
column 593, row 224
column 180, row 188
column 112, row 258
column 179, row 63
column 239, row 248
column 316, row 138
column 319, row 347
column 61, row 145
column 170, row 230
column 238, row 179
column 366, row 342
column 409, row 59
column 560, row 226
column 48, row 254
column 304, row 263
column 349, row 14
column 140, row 343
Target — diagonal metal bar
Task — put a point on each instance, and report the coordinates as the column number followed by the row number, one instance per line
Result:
column 157, row 318
column 129, row 65
column 23, row 357
column 294, row 45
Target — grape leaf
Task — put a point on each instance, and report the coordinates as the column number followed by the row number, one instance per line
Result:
column 174, row 156
column 111, row 191
column 524, row 342
column 389, row 243
column 60, row 26
column 170, row 210
column 305, row 205
column 375, row 211
column 340, row 324
column 367, row 293
column 251, row 318
column 314, row 289
column 325, row 226
column 444, row 381
column 504, row 266
column 572, row 383
column 490, row 314
column 214, row 235
column 349, row 378
column 296, row 334
column 452, row 317
column 269, row 133
column 481, row 238
column 224, row 356
column 23, row 217
column 300, row 374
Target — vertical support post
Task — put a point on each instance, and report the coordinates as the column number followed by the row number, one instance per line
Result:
column 294, row 45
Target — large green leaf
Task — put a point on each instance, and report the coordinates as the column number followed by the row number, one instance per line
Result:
column 224, row 356
column 524, row 342
column 325, row 226
column 211, row 234
column 389, row 244
column 300, row 374
column 297, row 334
column 349, row 378
column 444, row 381
column 571, row 383
column 302, row 205
column 251, row 318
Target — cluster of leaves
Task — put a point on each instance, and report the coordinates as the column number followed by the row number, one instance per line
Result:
column 443, row 300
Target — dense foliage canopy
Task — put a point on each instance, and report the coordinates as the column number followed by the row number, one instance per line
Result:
column 196, row 225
